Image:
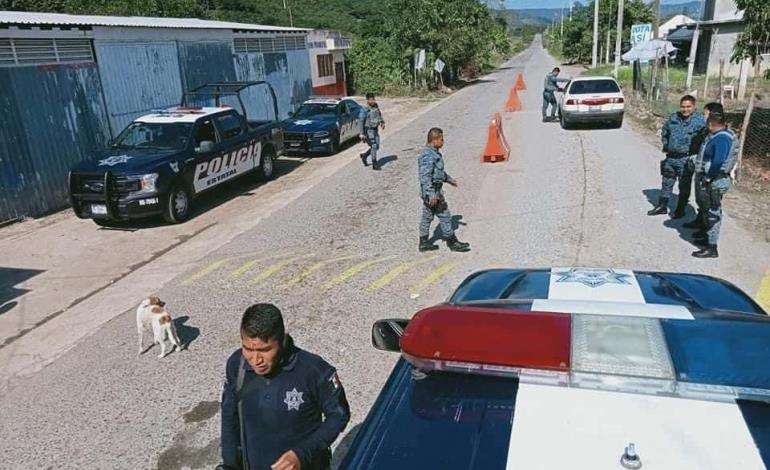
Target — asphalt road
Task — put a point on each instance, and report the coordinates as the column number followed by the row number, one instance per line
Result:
column 344, row 254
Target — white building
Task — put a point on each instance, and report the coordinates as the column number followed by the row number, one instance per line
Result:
column 327, row 62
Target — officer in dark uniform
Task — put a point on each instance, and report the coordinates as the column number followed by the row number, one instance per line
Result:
column 432, row 179
column 676, row 135
column 282, row 407
column 371, row 121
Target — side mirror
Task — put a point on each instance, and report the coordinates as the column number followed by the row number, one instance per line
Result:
column 206, row 146
column 386, row 334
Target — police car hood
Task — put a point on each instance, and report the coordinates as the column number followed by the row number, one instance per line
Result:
column 310, row 124
column 606, row 291
column 465, row 422
column 127, row 160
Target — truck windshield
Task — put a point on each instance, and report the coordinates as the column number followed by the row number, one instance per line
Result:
column 161, row 136
column 316, row 110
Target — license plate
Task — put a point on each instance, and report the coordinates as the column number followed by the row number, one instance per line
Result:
column 594, row 108
column 98, row 209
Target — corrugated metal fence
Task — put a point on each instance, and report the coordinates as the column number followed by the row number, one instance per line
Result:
column 53, row 116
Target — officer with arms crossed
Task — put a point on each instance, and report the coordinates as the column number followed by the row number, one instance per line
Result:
column 677, row 134
column 695, row 162
column 371, row 121
column 432, row 179
column 282, row 407
column 550, row 86
column 718, row 156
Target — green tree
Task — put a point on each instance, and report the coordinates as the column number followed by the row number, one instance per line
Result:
column 755, row 39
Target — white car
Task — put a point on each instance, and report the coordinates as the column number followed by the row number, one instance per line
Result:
column 592, row 99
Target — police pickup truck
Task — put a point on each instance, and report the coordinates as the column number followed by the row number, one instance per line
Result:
column 162, row 161
column 574, row 368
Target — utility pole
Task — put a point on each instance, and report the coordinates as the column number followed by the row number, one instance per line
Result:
column 618, row 38
column 594, row 57
column 561, row 36
column 656, row 24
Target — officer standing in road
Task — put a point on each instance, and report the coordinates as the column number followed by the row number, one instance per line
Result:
column 676, row 135
column 282, row 407
column 550, row 86
column 695, row 162
column 371, row 121
column 432, row 179
column 718, row 156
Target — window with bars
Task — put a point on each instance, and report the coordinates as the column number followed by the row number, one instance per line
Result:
column 276, row 44
column 325, row 65
column 15, row 52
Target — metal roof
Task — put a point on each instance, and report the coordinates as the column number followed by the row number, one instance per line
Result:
column 35, row 18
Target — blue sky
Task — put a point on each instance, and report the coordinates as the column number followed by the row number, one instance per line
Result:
column 555, row 3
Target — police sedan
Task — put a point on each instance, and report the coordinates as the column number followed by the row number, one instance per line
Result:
column 321, row 125
column 575, row 368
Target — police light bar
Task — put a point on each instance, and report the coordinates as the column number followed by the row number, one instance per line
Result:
column 715, row 359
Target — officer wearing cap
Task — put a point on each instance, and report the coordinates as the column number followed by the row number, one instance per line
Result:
column 676, row 135
column 695, row 163
column 718, row 157
column 282, row 407
column 371, row 121
column 432, row 179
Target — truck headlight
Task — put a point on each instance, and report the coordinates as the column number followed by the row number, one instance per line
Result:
column 147, row 183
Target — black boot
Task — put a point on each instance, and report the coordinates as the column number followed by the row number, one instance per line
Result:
column 708, row 251
column 375, row 165
column 426, row 245
column 456, row 245
column 362, row 156
column 661, row 208
column 680, row 210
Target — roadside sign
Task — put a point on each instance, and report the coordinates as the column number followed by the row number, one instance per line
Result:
column 419, row 59
column 438, row 66
column 640, row 33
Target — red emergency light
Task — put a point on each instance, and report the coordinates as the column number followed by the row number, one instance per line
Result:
column 490, row 336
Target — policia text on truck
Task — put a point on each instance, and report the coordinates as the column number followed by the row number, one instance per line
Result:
column 160, row 162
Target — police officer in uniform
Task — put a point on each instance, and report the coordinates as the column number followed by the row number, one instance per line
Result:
column 282, row 407
column 718, row 156
column 550, row 86
column 432, row 179
column 695, row 162
column 371, row 121
column 677, row 134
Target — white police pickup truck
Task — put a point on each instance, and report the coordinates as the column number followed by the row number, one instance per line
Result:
column 160, row 162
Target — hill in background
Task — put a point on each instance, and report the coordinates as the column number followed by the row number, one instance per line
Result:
column 544, row 16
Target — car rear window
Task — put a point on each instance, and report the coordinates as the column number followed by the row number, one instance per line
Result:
column 585, row 87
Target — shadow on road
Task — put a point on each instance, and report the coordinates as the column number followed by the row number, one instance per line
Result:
column 9, row 278
column 187, row 334
column 385, row 160
column 685, row 234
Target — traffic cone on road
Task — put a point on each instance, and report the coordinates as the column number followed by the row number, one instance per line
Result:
column 520, row 85
column 497, row 148
column 514, row 103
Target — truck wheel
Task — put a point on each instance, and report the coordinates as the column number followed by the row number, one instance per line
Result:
column 266, row 166
column 334, row 146
column 177, row 208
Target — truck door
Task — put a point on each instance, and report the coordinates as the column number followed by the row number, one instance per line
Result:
column 197, row 172
column 241, row 151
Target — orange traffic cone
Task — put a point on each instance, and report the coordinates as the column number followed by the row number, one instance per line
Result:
column 514, row 103
column 497, row 148
column 520, row 85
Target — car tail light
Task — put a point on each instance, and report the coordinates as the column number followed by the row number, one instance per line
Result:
column 617, row 100
column 604, row 352
column 571, row 102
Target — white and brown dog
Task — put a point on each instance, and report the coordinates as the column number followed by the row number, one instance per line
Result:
column 152, row 311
